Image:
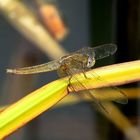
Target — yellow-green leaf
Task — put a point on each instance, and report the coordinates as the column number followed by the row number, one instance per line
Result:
column 35, row 103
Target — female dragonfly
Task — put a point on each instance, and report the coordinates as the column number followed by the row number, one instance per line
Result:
column 79, row 61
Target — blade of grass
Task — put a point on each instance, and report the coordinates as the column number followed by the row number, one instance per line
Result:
column 121, row 121
column 117, row 74
column 31, row 106
column 26, row 23
column 42, row 99
column 131, row 93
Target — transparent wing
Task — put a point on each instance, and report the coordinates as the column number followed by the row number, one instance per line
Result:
column 115, row 93
column 50, row 66
column 99, row 52
column 89, row 93
column 99, row 96
column 105, row 50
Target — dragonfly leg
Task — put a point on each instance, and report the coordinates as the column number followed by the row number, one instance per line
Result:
column 96, row 76
column 85, row 75
column 100, row 105
column 123, row 99
column 83, row 72
column 69, row 85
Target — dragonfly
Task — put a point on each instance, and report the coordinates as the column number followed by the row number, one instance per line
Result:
column 77, row 62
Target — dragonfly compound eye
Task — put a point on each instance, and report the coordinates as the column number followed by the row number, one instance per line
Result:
column 90, row 62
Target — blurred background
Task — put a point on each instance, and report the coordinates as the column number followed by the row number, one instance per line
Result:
column 84, row 23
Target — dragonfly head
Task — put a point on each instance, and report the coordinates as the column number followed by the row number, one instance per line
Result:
column 89, row 53
column 90, row 62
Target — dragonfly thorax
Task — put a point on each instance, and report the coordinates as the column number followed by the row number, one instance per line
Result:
column 73, row 63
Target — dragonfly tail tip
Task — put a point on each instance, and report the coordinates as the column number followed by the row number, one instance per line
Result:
column 9, row 70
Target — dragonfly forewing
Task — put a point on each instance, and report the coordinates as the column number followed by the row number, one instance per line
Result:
column 99, row 52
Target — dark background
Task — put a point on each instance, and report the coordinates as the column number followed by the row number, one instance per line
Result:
column 91, row 23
